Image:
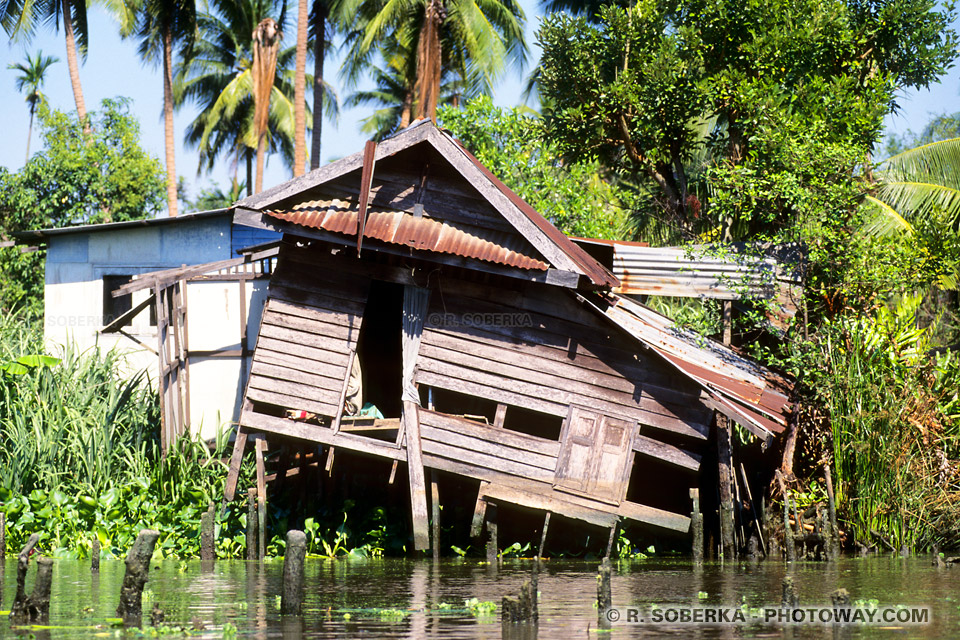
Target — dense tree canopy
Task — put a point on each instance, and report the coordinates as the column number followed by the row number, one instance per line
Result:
column 76, row 179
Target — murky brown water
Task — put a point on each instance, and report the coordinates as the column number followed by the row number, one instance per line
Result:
column 347, row 598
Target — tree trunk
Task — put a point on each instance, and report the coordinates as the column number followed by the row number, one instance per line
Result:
column 168, row 120
column 266, row 42
column 428, row 61
column 300, row 93
column 319, row 50
column 29, row 135
column 261, row 149
column 249, row 160
column 406, row 110
column 73, row 66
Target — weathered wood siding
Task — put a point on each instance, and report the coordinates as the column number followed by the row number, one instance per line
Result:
column 309, row 330
column 538, row 349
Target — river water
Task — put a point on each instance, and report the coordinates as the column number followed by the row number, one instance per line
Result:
column 419, row 599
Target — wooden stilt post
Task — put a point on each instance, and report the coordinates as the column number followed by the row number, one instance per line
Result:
column 833, row 537
column 435, row 514
column 604, row 594
column 696, row 527
column 789, row 543
column 293, row 560
column 39, row 602
column 479, row 513
column 135, row 577
column 95, row 555
column 725, row 480
column 207, row 553
column 261, row 500
column 610, row 540
column 493, row 549
column 418, row 490
column 18, row 611
column 543, row 536
column 3, row 535
column 789, row 599
column 251, row 524
column 236, row 458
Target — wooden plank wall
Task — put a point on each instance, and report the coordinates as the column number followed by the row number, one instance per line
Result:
column 538, row 349
column 309, row 330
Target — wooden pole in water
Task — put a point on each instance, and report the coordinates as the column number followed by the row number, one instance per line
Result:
column 604, row 594
column 3, row 535
column 18, row 612
column 207, row 552
column 135, row 576
column 789, row 544
column 522, row 609
column 39, row 601
column 261, row 447
column 833, row 539
column 725, row 481
column 543, row 537
column 95, row 555
column 251, row 524
column 493, row 549
column 293, row 559
column 696, row 527
column 435, row 515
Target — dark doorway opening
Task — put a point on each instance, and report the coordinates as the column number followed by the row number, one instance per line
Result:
column 379, row 348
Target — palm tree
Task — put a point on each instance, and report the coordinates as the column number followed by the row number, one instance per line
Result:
column 160, row 24
column 266, row 44
column 917, row 185
column 472, row 39
column 326, row 18
column 20, row 17
column 217, row 77
column 299, row 92
column 31, row 78
column 394, row 92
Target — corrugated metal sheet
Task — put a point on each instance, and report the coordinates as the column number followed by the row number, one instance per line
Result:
column 745, row 391
column 422, row 233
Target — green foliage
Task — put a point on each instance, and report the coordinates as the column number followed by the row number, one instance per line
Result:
column 512, row 143
column 79, row 449
column 75, row 179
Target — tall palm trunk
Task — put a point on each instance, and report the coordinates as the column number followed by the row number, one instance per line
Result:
column 73, row 66
column 168, row 120
column 300, row 93
column 30, row 131
column 406, row 109
column 266, row 42
column 320, row 12
column 428, row 60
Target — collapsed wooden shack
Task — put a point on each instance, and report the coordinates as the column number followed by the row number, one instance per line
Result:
column 489, row 345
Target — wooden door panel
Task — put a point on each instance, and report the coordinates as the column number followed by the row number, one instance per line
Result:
column 595, row 451
column 609, row 479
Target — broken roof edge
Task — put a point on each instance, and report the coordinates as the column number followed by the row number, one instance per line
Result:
column 555, row 247
column 749, row 413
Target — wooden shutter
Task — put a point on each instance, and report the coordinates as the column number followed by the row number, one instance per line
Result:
column 595, row 452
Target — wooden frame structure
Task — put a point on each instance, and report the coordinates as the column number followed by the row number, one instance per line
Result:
column 517, row 366
column 169, row 300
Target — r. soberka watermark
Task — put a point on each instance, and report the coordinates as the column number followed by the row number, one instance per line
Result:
column 743, row 615
column 480, row 320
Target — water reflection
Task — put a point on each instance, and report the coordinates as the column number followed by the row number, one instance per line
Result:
column 426, row 599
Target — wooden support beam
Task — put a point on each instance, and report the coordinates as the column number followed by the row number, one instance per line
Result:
column 479, row 511
column 435, row 514
column 236, row 459
column 610, row 540
column 725, row 480
column 261, row 447
column 543, row 536
column 493, row 547
column 696, row 525
column 418, row 491
column 500, row 415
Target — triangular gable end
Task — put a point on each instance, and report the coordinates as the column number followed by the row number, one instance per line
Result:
column 524, row 235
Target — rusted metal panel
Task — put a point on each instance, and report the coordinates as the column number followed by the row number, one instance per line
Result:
column 421, row 233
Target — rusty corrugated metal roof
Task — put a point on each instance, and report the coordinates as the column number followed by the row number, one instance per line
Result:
column 421, row 233
column 742, row 389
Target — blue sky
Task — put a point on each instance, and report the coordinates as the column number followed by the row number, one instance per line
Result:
column 113, row 68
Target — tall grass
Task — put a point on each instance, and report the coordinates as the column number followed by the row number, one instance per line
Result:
column 80, row 453
column 893, row 440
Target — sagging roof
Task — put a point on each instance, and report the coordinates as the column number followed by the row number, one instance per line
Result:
column 42, row 234
column 743, row 390
column 553, row 247
column 407, row 230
